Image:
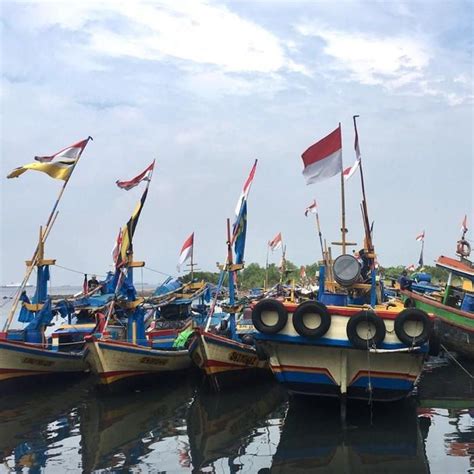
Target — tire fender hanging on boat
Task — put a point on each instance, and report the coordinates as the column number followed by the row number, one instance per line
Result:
column 306, row 309
column 368, row 318
column 416, row 316
column 265, row 323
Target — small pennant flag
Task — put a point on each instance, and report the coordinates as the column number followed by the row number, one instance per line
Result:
column 348, row 172
column 143, row 176
column 410, row 268
column 324, row 158
column 302, row 272
column 420, row 237
column 117, row 247
column 275, row 243
column 186, row 251
column 246, row 189
column 69, row 153
column 464, row 224
column 58, row 166
column 312, row 208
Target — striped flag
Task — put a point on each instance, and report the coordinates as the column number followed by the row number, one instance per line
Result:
column 420, row 237
column 312, row 208
column 348, row 172
column 58, row 166
column 143, row 176
column 69, row 153
column 186, row 251
column 324, row 158
column 275, row 243
column 245, row 190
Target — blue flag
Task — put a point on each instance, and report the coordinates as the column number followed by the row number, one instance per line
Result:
column 240, row 232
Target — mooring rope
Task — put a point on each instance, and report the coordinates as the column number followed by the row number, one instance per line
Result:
column 457, row 362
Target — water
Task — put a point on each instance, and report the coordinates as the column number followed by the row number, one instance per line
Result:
column 178, row 426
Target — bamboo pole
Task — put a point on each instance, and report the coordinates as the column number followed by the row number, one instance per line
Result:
column 49, row 224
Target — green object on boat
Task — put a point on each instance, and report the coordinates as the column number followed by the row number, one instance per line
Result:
column 183, row 336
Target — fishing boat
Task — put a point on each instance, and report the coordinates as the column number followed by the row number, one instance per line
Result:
column 120, row 351
column 348, row 343
column 27, row 354
column 454, row 309
column 222, row 354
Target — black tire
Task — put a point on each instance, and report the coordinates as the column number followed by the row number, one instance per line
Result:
column 409, row 303
column 247, row 339
column 365, row 317
column 269, row 305
column 316, row 308
column 417, row 315
column 223, row 325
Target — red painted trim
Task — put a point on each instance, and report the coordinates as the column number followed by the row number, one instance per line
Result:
column 12, row 371
column 163, row 332
column 121, row 372
column 208, row 335
column 363, row 373
column 320, row 370
column 218, row 363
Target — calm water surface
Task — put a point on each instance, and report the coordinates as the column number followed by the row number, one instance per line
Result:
column 179, row 426
column 182, row 427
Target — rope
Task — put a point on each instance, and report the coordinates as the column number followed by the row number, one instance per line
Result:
column 79, row 272
column 161, row 273
column 457, row 362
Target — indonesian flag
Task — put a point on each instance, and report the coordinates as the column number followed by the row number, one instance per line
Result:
column 421, row 236
column 411, row 268
column 246, row 189
column 312, row 208
column 464, row 224
column 186, row 251
column 69, row 153
column 324, row 158
column 275, row 243
column 143, row 176
column 348, row 172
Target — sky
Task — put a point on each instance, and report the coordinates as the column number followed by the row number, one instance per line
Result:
column 205, row 88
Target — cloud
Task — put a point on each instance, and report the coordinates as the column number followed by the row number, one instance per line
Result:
column 196, row 31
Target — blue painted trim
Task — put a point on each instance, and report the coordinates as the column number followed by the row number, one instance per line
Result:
column 384, row 382
column 327, row 342
column 48, row 352
column 303, row 377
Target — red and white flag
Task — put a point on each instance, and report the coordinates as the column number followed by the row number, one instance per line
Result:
column 186, row 251
column 464, row 224
column 117, row 247
column 302, row 272
column 143, row 176
column 348, row 172
column 70, row 153
column 275, row 243
column 411, row 268
column 421, row 236
column 246, row 189
column 312, row 208
column 324, row 158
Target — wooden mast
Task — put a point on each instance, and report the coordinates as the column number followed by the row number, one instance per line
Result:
column 44, row 235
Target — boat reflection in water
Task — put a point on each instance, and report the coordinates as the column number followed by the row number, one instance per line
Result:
column 34, row 423
column 381, row 440
column 223, row 425
column 122, row 431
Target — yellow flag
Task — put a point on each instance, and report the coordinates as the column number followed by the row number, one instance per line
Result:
column 57, row 170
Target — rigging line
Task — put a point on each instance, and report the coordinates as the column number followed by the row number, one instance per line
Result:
column 161, row 273
column 77, row 271
column 457, row 362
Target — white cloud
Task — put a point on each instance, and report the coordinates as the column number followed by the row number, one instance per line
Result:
column 188, row 30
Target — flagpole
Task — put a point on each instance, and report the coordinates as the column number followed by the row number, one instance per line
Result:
column 368, row 236
column 320, row 234
column 44, row 235
column 266, row 269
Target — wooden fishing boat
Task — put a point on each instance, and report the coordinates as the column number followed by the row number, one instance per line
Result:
column 221, row 353
column 350, row 343
column 454, row 310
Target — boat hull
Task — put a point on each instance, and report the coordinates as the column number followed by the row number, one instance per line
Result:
column 21, row 362
column 225, row 361
column 453, row 328
column 330, row 366
column 116, row 361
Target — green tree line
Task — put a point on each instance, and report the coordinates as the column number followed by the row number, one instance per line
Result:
column 253, row 275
